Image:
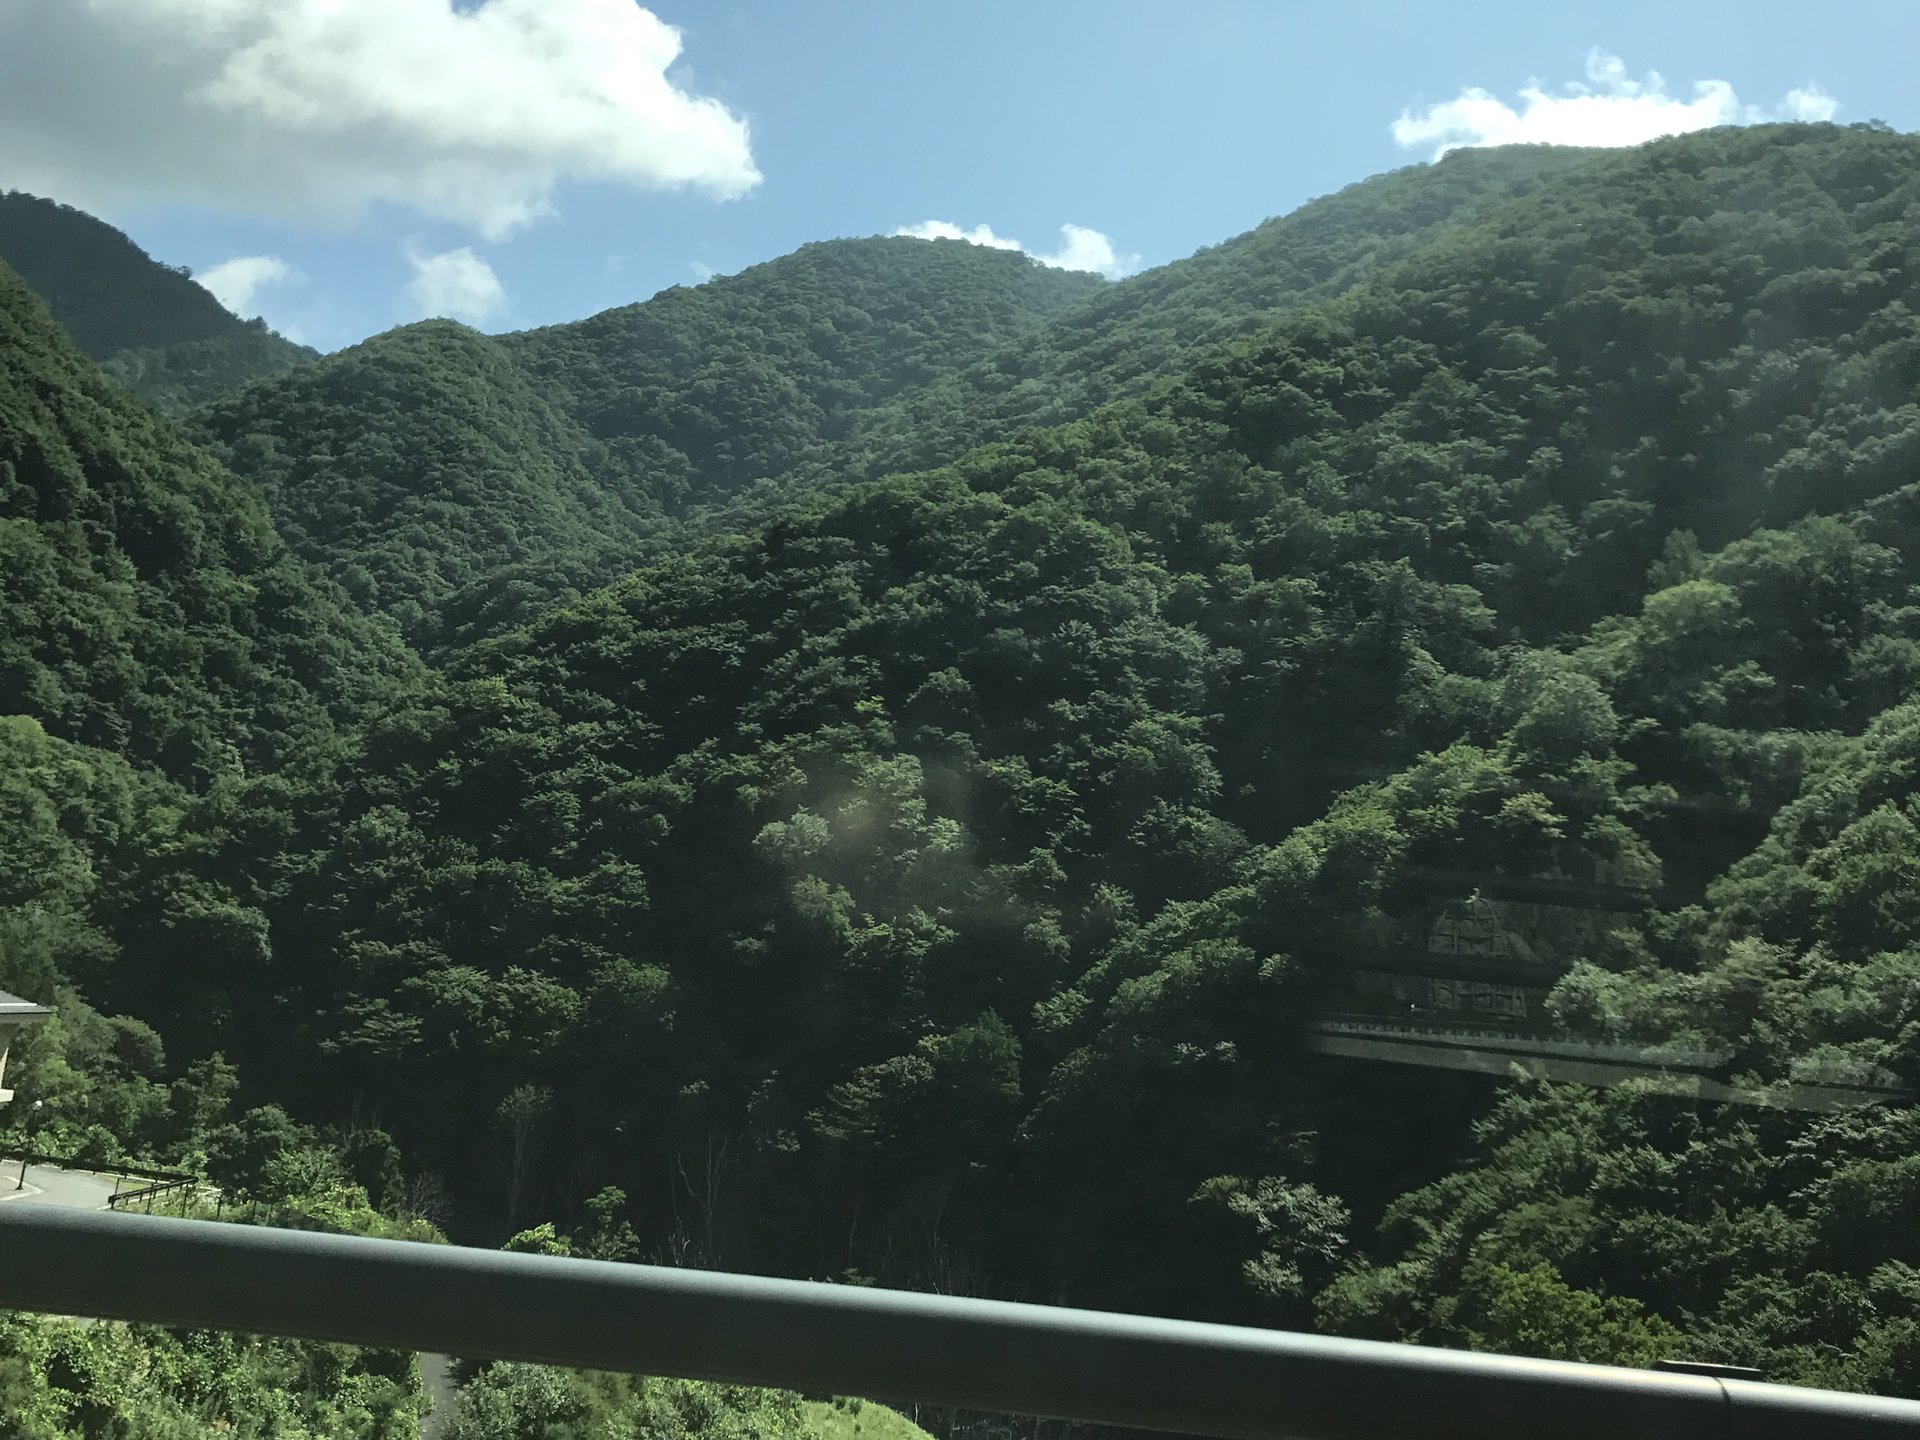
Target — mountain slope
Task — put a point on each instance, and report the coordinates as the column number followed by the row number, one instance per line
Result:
column 146, row 605
column 948, row 865
column 1129, row 336
column 434, row 480
column 148, row 325
column 933, row 884
column 460, row 483
column 801, row 368
column 699, row 392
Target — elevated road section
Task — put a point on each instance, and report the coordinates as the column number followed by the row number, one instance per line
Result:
column 1599, row 1063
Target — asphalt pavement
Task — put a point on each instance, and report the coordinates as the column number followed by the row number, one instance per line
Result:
column 50, row 1185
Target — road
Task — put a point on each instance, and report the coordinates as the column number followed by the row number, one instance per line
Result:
column 436, row 1373
column 48, row 1185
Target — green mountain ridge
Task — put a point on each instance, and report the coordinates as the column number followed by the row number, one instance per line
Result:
column 683, row 402
column 933, row 880
column 434, row 479
column 700, row 391
column 148, row 325
column 459, row 483
column 1120, row 342
column 148, row 607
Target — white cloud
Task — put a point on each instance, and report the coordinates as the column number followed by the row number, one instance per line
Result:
column 1611, row 108
column 947, row 230
column 316, row 110
column 702, row 272
column 1810, row 102
column 235, row 282
column 1082, row 249
column 1090, row 250
column 456, row 284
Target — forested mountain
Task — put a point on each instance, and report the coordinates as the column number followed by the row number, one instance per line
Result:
column 697, row 393
column 434, row 479
column 422, row 467
column 936, row 880
column 147, row 606
column 149, row 325
column 460, row 483
column 1126, row 338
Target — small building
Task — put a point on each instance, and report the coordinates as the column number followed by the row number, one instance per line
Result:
column 1477, row 926
column 1472, row 966
column 15, row 1015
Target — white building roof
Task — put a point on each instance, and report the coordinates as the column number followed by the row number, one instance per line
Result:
column 12, row 1007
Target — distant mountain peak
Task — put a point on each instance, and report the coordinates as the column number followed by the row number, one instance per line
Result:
column 151, row 326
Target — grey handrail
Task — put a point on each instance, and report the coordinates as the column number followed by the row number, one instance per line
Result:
column 121, row 1199
column 1572, row 1046
column 1169, row 1375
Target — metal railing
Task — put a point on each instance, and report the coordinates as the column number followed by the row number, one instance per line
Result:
column 1575, row 1047
column 16, row 1156
column 127, row 1199
column 1166, row 1375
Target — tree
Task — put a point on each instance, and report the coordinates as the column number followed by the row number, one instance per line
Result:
column 241, row 1155
column 1535, row 1312
column 542, row 1239
column 522, row 1116
column 1298, row 1235
column 605, row 1233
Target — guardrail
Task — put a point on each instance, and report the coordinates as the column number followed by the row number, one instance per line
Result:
column 1214, row 1380
column 74, row 1162
column 1835, row 1078
column 122, row 1199
column 1573, row 1047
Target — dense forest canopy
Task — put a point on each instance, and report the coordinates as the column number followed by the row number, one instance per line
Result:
column 1124, row 339
column 149, row 608
column 151, row 327
column 936, row 878
column 460, row 483
column 432, row 477
column 699, row 392
column 515, row 458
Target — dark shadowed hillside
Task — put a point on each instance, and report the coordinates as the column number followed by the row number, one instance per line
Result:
column 149, row 325
column 147, row 607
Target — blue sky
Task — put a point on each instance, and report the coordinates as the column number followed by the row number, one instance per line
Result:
column 354, row 164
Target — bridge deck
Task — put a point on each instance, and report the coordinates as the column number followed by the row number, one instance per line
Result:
column 1598, row 1063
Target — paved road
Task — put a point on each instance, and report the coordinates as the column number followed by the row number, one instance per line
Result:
column 436, row 1373
column 48, row 1185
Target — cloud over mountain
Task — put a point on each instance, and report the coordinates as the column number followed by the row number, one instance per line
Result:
column 456, row 284
column 236, row 282
column 1609, row 108
column 320, row 109
column 1081, row 248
